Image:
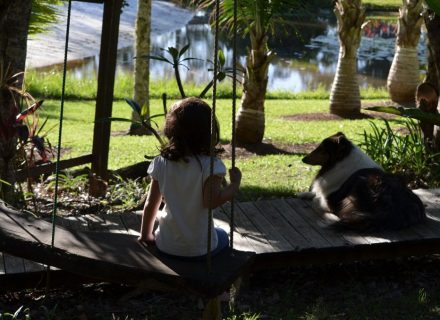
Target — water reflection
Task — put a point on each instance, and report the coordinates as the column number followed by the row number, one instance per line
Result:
column 303, row 63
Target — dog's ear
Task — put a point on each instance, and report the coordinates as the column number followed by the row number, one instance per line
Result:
column 340, row 137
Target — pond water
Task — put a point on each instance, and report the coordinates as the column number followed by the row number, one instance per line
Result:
column 306, row 57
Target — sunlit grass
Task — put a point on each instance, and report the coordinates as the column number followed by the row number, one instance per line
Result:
column 263, row 175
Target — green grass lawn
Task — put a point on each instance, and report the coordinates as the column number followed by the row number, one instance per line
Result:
column 261, row 174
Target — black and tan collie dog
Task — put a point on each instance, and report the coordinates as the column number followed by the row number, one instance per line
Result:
column 356, row 189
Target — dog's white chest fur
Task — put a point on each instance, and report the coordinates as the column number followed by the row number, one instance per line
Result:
column 332, row 180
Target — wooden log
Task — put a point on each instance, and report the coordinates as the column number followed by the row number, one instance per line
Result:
column 49, row 168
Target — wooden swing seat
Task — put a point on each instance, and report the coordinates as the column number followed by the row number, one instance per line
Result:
column 116, row 257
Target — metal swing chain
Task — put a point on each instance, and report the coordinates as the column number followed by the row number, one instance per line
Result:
column 213, row 131
column 234, row 108
column 60, row 130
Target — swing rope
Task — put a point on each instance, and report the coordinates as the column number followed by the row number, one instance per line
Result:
column 234, row 108
column 60, row 129
column 213, row 123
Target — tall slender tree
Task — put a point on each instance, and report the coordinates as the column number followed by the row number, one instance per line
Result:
column 14, row 24
column 345, row 97
column 142, row 66
column 404, row 75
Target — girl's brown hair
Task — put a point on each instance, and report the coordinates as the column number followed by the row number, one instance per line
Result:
column 188, row 129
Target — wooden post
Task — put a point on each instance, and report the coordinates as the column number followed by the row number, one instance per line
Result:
column 106, row 81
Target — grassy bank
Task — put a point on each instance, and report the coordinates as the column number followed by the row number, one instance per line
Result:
column 47, row 85
column 261, row 172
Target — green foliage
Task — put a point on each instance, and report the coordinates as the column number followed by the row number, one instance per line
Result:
column 44, row 12
column 434, row 5
column 22, row 313
column 127, row 192
column 178, row 60
column 409, row 113
column 403, row 153
column 262, row 16
column 70, row 184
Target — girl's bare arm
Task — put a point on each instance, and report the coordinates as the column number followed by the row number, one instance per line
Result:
column 220, row 195
column 151, row 207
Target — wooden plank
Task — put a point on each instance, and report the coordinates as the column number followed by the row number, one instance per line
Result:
column 240, row 241
column 13, row 264
column 131, row 222
column 116, row 257
column 2, row 264
column 282, row 222
column 276, row 240
column 317, row 223
column 248, row 230
column 32, row 266
column 351, row 237
column 77, row 224
column 114, row 223
column 49, row 168
column 312, row 236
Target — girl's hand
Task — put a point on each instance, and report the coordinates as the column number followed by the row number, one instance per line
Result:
column 149, row 239
column 235, row 177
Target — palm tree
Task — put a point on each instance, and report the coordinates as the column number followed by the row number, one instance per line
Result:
column 404, row 75
column 345, row 97
column 142, row 66
column 14, row 24
column 257, row 19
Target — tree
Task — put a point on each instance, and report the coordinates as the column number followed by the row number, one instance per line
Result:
column 142, row 66
column 257, row 19
column 404, row 75
column 432, row 23
column 345, row 97
column 14, row 24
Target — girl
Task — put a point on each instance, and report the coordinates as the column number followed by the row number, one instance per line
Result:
column 181, row 175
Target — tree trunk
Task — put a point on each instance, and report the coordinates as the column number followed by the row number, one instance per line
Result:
column 142, row 65
column 14, row 24
column 345, row 97
column 404, row 75
column 432, row 22
column 250, row 123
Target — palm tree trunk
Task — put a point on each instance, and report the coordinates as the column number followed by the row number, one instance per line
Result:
column 345, row 97
column 404, row 75
column 250, row 122
column 432, row 23
column 142, row 66
column 14, row 24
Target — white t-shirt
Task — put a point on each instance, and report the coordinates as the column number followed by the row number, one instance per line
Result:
column 183, row 224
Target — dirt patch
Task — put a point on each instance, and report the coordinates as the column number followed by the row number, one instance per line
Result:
column 325, row 116
column 267, row 148
column 365, row 114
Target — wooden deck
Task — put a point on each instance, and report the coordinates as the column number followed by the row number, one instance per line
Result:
column 283, row 232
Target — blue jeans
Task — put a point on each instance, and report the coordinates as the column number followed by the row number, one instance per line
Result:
column 222, row 243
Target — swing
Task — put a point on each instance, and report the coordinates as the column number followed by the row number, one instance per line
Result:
column 115, row 257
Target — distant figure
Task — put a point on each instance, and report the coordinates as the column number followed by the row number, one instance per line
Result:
column 181, row 175
column 427, row 101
